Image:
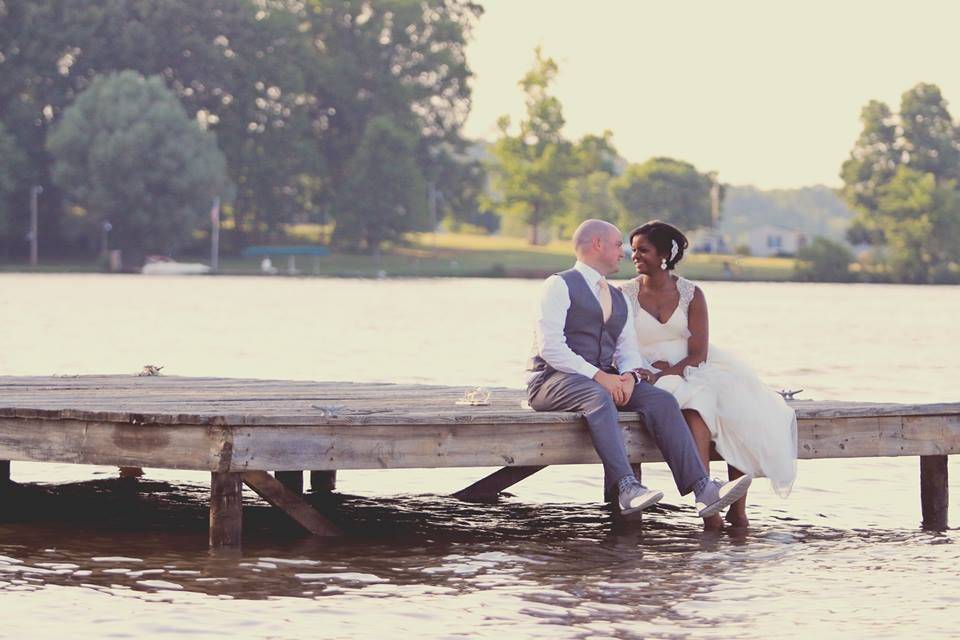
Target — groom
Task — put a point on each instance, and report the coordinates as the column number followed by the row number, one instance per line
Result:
column 584, row 328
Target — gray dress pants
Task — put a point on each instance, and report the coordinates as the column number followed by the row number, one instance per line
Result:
column 558, row 391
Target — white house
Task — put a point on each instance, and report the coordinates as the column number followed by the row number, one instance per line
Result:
column 772, row 239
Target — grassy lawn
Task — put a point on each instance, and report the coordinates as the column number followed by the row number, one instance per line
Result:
column 450, row 254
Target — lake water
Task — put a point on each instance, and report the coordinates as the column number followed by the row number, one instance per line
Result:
column 843, row 556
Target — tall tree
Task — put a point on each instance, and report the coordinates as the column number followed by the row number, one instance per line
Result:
column 383, row 196
column 929, row 140
column 12, row 165
column 664, row 188
column 401, row 59
column 127, row 152
column 920, row 218
column 239, row 66
column 587, row 193
column 874, row 158
column 531, row 167
column 901, row 178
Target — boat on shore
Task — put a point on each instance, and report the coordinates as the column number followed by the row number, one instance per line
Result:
column 165, row 266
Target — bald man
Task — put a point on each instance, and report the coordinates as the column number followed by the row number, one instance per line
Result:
column 587, row 360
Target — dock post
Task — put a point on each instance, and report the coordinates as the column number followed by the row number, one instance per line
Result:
column 226, row 509
column 934, row 492
column 323, row 481
column 292, row 480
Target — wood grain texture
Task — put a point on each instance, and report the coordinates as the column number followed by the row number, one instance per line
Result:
column 226, row 510
column 225, row 425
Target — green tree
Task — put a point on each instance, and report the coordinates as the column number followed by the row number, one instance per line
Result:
column 531, row 168
column 666, row 189
column 371, row 216
column 874, row 158
column 400, row 59
column 824, row 260
column 586, row 197
column 901, row 178
column 127, row 152
column 459, row 182
column 593, row 153
column 920, row 217
column 12, row 162
column 929, row 141
column 241, row 67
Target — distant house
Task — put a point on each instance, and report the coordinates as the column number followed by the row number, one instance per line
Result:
column 772, row 239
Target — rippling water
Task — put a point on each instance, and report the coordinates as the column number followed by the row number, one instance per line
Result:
column 82, row 553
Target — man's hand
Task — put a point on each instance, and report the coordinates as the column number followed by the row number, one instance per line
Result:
column 613, row 385
column 647, row 376
column 627, row 382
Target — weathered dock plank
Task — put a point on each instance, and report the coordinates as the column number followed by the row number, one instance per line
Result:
column 243, row 428
column 224, row 425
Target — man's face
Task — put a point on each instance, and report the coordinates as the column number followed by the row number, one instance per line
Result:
column 610, row 251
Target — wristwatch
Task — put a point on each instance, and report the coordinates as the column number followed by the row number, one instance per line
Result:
column 636, row 376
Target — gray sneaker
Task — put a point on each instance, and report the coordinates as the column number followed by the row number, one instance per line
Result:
column 716, row 496
column 636, row 497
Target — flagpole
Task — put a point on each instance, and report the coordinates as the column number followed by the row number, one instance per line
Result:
column 215, row 234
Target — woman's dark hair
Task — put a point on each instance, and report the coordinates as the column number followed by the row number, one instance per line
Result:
column 662, row 236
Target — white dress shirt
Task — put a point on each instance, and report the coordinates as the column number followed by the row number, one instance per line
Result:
column 551, row 344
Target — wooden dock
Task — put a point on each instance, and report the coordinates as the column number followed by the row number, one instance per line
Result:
column 240, row 430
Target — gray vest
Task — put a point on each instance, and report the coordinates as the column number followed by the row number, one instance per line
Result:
column 585, row 331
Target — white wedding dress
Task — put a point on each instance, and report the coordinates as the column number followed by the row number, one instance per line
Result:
column 753, row 428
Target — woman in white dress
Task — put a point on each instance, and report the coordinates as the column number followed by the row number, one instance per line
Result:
column 722, row 399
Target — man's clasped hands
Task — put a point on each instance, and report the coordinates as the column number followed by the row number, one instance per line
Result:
column 621, row 386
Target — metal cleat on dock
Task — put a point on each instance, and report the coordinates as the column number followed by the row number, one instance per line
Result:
column 150, row 370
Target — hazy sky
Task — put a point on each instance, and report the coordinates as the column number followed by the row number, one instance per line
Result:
column 767, row 93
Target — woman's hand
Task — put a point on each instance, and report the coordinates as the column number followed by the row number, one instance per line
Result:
column 661, row 364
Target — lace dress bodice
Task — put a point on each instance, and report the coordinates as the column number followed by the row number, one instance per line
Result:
column 662, row 340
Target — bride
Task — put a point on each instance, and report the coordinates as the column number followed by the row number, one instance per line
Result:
column 722, row 399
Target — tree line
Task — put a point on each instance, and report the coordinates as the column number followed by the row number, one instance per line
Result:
column 140, row 112
column 544, row 180
column 135, row 115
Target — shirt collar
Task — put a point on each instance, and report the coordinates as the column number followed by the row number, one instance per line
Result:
column 591, row 275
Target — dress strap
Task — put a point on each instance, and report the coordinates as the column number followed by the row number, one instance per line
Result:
column 686, row 290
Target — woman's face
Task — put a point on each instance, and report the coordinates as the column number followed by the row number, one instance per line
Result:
column 645, row 256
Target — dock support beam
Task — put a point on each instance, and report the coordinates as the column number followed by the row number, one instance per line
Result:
column 489, row 487
column 323, row 481
column 292, row 504
column 4, row 471
column 292, row 480
column 226, row 510
column 934, row 492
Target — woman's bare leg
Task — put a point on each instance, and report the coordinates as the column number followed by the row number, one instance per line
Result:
column 737, row 513
column 701, row 436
